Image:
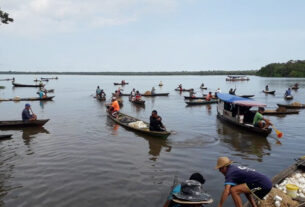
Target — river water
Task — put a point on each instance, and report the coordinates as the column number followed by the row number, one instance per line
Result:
column 81, row 158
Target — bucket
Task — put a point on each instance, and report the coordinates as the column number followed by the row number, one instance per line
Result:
column 292, row 190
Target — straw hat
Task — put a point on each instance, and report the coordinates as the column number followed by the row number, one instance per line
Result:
column 222, row 162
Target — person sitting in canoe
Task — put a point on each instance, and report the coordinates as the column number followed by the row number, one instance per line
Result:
column 232, row 91
column 242, row 180
column 26, row 115
column 156, row 122
column 192, row 93
column 41, row 94
column 152, row 92
column 202, row 85
column 209, row 97
column 288, row 92
column 102, row 94
column 98, row 91
column 123, row 82
column 259, row 120
column 180, row 87
column 266, row 88
column 179, row 193
column 114, row 107
column 138, row 95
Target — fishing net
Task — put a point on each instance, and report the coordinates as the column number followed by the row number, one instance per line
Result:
column 296, row 104
column 270, row 202
column 147, row 93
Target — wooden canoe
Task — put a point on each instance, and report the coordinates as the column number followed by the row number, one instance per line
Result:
column 138, row 102
column 281, row 176
column 275, row 112
column 49, row 98
column 100, row 98
column 25, row 85
column 155, row 94
column 5, row 136
column 289, row 106
column 269, row 92
column 124, row 120
column 289, row 97
column 53, row 78
column 204, row 88
column 120, row 84
column 246, row 96
column 7, row 79
column 201, row 102
column 294, row 88
column 193, row 97
column 50, row 91
column 183, row 90
column 246, row 127
column 20, row 123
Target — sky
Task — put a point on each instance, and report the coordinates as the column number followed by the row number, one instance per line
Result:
column 150, row 35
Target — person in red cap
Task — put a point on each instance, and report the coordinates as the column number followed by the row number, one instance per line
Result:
column 242, row 180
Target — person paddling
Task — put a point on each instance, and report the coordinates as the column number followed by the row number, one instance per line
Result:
column 259, row 120
column 156, row 122
column 114, row 107
column 242, row 180
column 26, row 115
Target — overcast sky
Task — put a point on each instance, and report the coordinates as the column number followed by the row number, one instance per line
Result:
column 150, row 35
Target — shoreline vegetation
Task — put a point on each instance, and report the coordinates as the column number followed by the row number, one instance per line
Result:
column 162, row 73
column 292, row 68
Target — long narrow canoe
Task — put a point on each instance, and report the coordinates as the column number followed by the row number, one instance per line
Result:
column 5, row 136
column 25, row 85
column 194, row 97
column 203, row 88
column 124, row 120
column 120, row 84
column 155, row 94
column 49, row 98
column 20, row 123
column 275, row 112
column 299, row 165
column 7, row 79
column 53, row 78
column 183, row 90
column 290, row 106
column 138, row 102
column 246, row 96
column 201, row 102
column 269, row 92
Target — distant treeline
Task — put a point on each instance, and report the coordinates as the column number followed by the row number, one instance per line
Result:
column 239, row 72
column 290, row 69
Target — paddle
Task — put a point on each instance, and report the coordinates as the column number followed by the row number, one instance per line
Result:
column 278, row 133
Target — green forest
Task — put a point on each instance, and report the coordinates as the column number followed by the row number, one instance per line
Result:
column 293, row 68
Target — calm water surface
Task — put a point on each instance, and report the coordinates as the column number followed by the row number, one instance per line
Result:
column 81, row 158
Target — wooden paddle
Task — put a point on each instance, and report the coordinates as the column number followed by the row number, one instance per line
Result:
column 278, row 133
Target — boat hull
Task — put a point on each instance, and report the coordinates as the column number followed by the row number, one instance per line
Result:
column 18, row 123
column 24, row 85
column 50, row 98
column 269, row 92
column 194, row 103
column 5, row 136
column 291, row 106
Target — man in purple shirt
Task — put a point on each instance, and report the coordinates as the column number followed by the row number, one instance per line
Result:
column 239, row 179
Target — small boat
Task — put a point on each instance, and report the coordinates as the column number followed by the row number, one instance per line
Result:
column 239, row 115
column 7, row 79
column 36, row 80
column 194, row 97
column 201, row 102
column 155, row 94
column 269, row 92
column 52, row 78
column 124, row 120
column 203, row 88
column 49, row 98
column 50, row 91
column 295, row 87
column 25, row 85
column 246, row 96
column 292, row 106
column 184, row 90
column 121, row 84
column 237, row 78
column 20, row 123
column 100, row 98
column 298, row 166
column 280, row 112
column 5, row 136
column 288, row 97
column 138, row 102
column 45, row 80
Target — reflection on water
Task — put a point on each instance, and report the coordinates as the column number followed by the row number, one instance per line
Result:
column 29, row 133
column 247, row 144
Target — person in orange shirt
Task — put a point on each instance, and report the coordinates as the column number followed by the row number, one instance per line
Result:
column 115, row 107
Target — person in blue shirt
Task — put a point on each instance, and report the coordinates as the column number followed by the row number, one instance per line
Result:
column 26, row 115
column 242, row 180
column 98, row 92
column 288, row 92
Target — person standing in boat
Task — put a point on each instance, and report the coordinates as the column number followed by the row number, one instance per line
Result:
column 156, row 122
column 192, row 93
column 209, row 96
column 267, row 88
column 26, row 115
column 138, row 95
column 259, row 120
column 242, row 180
column 152, row 92
column 180, row 87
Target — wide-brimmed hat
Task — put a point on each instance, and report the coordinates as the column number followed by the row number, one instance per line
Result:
column 191, row 192
column 222, row 162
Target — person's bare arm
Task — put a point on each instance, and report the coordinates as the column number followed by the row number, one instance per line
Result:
column 224, row 196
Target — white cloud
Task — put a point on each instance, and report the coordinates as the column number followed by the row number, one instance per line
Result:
column 40, row 17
